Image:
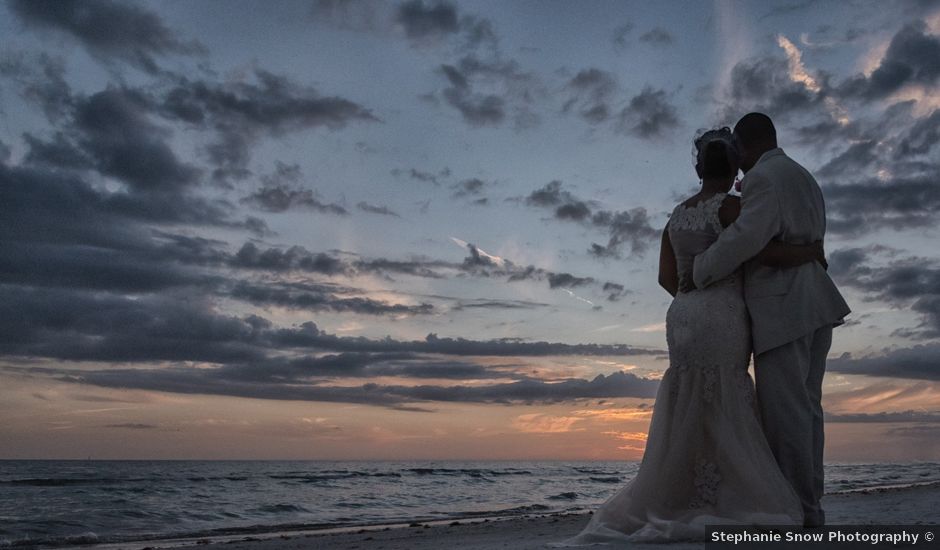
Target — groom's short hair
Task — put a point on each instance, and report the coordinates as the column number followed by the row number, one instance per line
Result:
column 756, row 128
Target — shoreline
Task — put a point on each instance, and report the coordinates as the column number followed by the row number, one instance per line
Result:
column 883, row 505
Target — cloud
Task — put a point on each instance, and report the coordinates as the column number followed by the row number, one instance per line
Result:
column 620, row 34
column 543, row 423
column 510, row 91
column 376, row 209
column 904, row 282
column 114, row 127
column 108, row 29
column 467, row 187
column 218, row 381
column 657, row 37
column 870, row 204
column 422, row 175
column 422, row 22
column 631, row 226
column 281, row 198
column 648, row 115
column 41, row 78
column 302, row 297
column 920, row 139
column 856, row 159
column 917, row 363
column 282, row 191
column 911, row 59
column 592, row 91
column 241, row 112
column 595, row 95
column 309, row 336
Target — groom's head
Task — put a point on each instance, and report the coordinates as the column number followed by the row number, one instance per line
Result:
column 754, row 135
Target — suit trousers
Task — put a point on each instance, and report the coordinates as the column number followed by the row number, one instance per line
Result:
column 789, row 389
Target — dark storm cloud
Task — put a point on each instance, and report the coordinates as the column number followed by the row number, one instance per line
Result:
column 114, row 128
column 422, row 21
column 870, row 204
column 648, row 115
column 241, row 112
column 80, row 325
column 917, row 363
column 296, row 257
column 43, row 205
column 903, row 282
column 221, row 381
column 309, row 336
column 913, row 57
column 920, row 139
column 657, row 37
column 764, row 85
column 857, row 158
column 109, row 30
column 632, row 227
column 314, row 299
column 418, row 267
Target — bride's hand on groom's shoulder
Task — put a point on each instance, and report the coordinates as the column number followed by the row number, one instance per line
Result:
column 686, row 284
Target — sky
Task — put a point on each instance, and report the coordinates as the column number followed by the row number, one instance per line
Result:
column 331, row 229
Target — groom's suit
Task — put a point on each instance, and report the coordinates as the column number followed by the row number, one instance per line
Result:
column 792, row 313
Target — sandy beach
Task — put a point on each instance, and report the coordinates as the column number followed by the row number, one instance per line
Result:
column 919, row 505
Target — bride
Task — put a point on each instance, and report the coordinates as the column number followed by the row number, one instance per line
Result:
column 706, row 460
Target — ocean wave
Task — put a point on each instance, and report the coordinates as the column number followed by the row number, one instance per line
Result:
column 606, row 479
column 281, row 509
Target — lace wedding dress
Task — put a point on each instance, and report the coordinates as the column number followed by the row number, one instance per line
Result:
column 706, row 460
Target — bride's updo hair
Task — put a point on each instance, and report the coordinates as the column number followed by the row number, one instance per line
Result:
column 715, row 154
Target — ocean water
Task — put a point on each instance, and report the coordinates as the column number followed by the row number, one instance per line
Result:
column 49, row 502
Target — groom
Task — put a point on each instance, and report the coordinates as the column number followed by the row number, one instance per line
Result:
column 793, row 310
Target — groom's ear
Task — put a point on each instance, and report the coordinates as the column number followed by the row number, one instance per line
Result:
column 698, row 170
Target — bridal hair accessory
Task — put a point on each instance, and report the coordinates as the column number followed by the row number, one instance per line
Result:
column 723, row 134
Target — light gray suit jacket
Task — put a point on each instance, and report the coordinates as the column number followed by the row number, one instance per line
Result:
column 779, row 200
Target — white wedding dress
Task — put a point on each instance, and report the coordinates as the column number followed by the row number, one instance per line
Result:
column 706, row 460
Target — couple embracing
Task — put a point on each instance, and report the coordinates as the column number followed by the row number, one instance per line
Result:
column 747, row 274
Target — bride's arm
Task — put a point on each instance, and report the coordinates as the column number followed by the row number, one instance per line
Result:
column 781, row 254
column 668, row 272
column 776, row 253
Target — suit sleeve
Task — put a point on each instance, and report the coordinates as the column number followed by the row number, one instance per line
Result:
column 758, row 223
